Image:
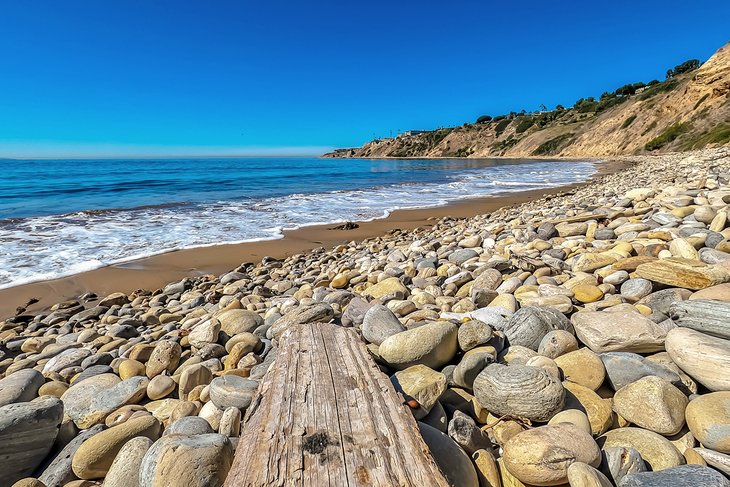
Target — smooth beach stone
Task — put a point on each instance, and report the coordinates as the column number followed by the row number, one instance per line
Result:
column 389, row 286
column 519, row 390
column 212, row 414
column 124, row 471
column 27, row 433
column 160, row 386
column 573, row 416
column 657, row 451
column 583, row 475
column 621, row 461
column 95, row 456
column 652, row 403
column 599, row 412
column 20, row 386
column 582, row 367
column 230, row 424
column 189, row 426
column 131, row 368
column 717, row 460
column 59, row 471
column 433, row 345
column 91, row 401
column 165, row 357
column 67, row 358
column 587, row 293
column 232, row 391
column 471, row 364
column 421, row 383
column 708, row 418
column 529, row 325
column 486, row 468
column 473, row 333
column 557, row 343
column 193, row 461
column 721, row 292
column 53, row 388
column 706, row 316
column 542, row 455
column 380, row 323
column 29, row 482
column 682, row 476
column 453, row 462
column 618, row 331
column 703, row 357
column 193, row 376
column 623, row 368
column 204, row 333
column 235, row 321
column 310, row 313
column 635, row 289
column 683, row 273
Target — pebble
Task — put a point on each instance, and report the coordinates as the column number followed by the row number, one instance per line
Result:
column 708, row 418
column 652, row 403
column 432, row 345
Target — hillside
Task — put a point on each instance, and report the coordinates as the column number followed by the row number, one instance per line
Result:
column 688, row 111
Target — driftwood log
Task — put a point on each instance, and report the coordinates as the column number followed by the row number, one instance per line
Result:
column 325, row 415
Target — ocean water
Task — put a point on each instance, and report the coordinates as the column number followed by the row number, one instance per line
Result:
column 60, row 217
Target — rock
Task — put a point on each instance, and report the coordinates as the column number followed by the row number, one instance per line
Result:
column 635, row 289
column 708, row 418
column 432, row 345
column 623, row 368
column 652, row 403
column 542, row 456
column 587, row 293
column 114, row 299
column 68, row 358
column 519, row 390
column 421, row 383
column 590, row 262
column 380, row 323
column 27, row 433
column 575, row 417
column 389, row 286
column 656, row 450
column 235, row 321
column 471, row 364
column 29, row 482
column 684, row 273
column 230, row 424
column 682, row 476
column 90, row 402
column 59, row 471
column 472, row 334
column 165, row 357
column 204, row 333
column 312, row 313
column 95, row 456
column 721, row 292
column 193, row 461
column 464, row 431
column 621, row 461
column 232, row 391
column 189, row 426
column 624, row 331
column 557, row 343
column 193, row 376
column 21, row 386
column 717, row 460
column 599, row 412
column 705, row 358
column 486, row 467
column 709, row 317
column 582, row 367
column 529, row 325
column 124, row 471
column 160, row 386
column 131, row 368
column 583, row 475
column 450, row 458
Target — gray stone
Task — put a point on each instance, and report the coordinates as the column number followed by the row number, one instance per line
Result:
column 473, row 333
column 465, row 432
column 90, row 402
column 450, row 458
column 635, row 289
column 232, row 391
column 20, row 386
column 529, row 325
column 58, row 472
column 380, row 323
column 621, row 461
column 189, row 425
column 27, row 433
column 706, row 316
column 623, row 368
column 682, row 476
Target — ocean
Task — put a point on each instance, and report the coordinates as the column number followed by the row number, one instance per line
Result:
column 61, row 217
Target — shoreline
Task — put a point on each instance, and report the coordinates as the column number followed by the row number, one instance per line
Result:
column 156, row 271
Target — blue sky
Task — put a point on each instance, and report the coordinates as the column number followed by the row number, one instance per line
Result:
column 157, row 77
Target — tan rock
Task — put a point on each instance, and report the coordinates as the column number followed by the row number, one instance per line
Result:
column 626, row 330
column 703, row 357
column 583, row 367
column 433, row 345
column 652, row 403
column 165, row 357
column 708, row 417
column 656, row 450
column 598, row 409
column 421, row 383
column 683, row 273
column 391, row 285
column 131, row 368
column 160, row 386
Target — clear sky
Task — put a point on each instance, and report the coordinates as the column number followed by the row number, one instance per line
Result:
column 135, row 77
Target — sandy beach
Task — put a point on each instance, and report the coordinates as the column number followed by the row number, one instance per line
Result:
column 154, row 272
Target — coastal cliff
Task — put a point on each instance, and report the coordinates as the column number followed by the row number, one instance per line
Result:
column 687, row 111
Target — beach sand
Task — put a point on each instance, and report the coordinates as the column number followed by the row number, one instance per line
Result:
column 157, row 271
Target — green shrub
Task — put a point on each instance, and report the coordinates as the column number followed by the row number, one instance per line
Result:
column 668, row 85
column 524, row 124
column 685, row 67
column 484, row 119
column 501, row 126
column 716, row 135
column 628, row 121
column 667, row 136
column 553, row 145
column 585, row 105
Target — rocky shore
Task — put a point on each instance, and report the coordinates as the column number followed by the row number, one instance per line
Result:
column 581, row 339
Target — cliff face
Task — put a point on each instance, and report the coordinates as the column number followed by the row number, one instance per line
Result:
column 687, row 112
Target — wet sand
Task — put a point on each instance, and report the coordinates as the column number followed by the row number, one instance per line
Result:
column 157, row 271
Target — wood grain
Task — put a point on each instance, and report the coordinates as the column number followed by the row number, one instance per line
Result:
column 325, row 415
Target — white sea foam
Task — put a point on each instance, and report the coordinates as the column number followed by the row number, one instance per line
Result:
column 48, row 247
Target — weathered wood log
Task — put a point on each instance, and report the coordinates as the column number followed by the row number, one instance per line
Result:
column 325, row 415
